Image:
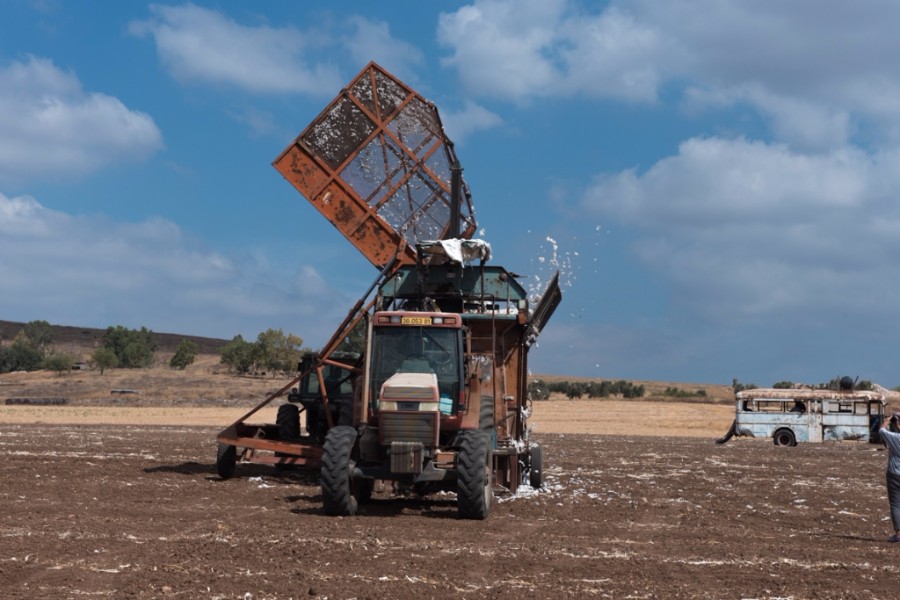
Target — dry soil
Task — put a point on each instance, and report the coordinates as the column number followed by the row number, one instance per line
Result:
column 123, row 501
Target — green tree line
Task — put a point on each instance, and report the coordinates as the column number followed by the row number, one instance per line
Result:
column 32, row 349
column 541, row 390
column 273, row 352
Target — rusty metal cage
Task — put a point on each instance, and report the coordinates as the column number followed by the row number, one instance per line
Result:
column 377, row 164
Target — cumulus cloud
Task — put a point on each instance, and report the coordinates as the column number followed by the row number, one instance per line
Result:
column 470, row 119
column 52, row 128
column 371, row 39
column 197, row 44
column 818, row 77
column 91, row 271
column 523, row 50
column 744, row 229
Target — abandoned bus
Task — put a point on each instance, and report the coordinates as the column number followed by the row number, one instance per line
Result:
column 789, row 416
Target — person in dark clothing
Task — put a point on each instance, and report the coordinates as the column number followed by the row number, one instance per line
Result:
column 890, row 435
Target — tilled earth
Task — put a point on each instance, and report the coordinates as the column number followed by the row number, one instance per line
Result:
column 138, row 512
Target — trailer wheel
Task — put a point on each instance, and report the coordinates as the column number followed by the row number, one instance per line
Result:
column 474, row 483
column 226, row 458
column 536, row 471
column 784, row 437
column 288, row 421
column 336, row 473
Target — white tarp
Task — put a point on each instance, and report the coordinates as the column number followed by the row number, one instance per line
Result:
column 457, row 249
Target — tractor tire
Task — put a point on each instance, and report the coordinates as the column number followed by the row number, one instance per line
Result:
column 288, row 421
column 226, row 459
column 536, row 469
column 474, row 477
column 337, row 471
column 784, row 437
column 486, row 413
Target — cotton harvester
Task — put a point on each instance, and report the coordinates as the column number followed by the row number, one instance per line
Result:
column 424, row 383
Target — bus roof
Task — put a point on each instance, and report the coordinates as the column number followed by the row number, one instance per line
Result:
column 811, row 394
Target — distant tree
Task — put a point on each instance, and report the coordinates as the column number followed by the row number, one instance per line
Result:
column 6, row 359
column 133, row 348
column 277, row 352
column 355, row 342
column 40, row 334
column 239, row 355
column 104, row 358
column 24, row 356
column 560, row 387
column 184, row 355
column 538, row 390
column 737, row 386
column 599, row 389
column 576, row 390
column 674, row 392
column 784, row 385
column 636, row 391
column 61, row 362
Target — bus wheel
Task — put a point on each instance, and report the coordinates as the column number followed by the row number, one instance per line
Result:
column 784, row 437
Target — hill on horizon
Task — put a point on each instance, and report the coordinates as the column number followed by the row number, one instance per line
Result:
column 85, row 339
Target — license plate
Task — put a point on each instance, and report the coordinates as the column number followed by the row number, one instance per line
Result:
column 415, row 320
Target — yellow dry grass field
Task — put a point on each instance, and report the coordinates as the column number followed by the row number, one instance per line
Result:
column 205, row 394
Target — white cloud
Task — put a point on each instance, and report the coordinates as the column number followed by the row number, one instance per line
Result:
column 744, row 229
column 471, row 119
column 820, row 77
column 52, row 128
column 90, row 271
column 196, row 44
column 372, row 40
column 521, row 50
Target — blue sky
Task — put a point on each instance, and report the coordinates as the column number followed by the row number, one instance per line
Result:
column 719, row 182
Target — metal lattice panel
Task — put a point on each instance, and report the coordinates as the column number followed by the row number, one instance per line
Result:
column 377, row 164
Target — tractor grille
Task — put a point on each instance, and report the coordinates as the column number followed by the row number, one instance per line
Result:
column 410, row 427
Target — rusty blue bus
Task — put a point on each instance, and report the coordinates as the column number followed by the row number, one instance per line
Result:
column 789, row 416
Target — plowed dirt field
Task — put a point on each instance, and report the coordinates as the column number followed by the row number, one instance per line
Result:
column 103, row 507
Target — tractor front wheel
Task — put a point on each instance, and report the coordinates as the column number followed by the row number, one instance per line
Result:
column 474, row 483
column 337, row 472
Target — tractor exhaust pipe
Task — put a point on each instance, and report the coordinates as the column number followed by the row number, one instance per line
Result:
column 455, row 191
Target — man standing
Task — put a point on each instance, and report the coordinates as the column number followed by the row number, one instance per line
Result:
column 890, row 435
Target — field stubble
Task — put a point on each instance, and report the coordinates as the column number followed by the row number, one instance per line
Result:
column 121, row 499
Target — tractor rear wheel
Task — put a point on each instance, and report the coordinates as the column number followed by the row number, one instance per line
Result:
column 337, row 472
column 474, row 483
column 226, row 459
column 536, row 470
